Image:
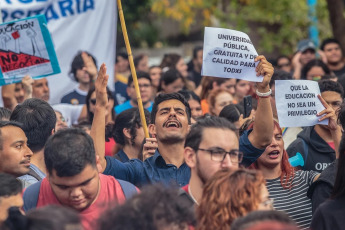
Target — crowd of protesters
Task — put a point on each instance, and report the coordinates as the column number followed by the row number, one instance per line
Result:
column 87, row 163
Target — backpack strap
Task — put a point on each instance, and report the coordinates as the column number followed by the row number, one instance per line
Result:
column 30, row 196
column 34, row 174
column 128, row 189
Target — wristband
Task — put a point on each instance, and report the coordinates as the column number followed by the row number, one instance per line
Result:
column 264, row 95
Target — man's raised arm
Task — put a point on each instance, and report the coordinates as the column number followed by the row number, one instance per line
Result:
column 98, row 123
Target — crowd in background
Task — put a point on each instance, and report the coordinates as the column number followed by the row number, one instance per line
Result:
column 208, row 163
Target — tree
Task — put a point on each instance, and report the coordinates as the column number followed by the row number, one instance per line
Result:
column 139, row 22
column 277, row 25
column 336, row 16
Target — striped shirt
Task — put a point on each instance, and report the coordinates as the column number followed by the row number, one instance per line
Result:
column 294, row 201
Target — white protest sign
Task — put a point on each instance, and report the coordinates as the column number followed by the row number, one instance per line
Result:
column 297, row 103
column 229, row 54
column 26, row 48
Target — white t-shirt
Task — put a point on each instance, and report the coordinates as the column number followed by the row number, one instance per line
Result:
column 70, row 112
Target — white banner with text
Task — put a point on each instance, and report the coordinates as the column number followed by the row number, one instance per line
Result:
column 75, row 25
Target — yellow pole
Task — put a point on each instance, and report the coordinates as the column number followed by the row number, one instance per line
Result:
column 134, row 73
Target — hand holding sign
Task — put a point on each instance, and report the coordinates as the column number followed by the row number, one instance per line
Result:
column 328, row 113
column 265, row 69
column 229, row 54
column 27, row 82
column 298, row 104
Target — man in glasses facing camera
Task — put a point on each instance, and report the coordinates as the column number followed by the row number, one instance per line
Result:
column 205, row 156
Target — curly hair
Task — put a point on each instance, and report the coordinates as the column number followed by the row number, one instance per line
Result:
column 156, row 207
column 227, row 196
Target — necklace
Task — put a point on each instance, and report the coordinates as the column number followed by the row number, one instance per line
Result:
column 191, row 195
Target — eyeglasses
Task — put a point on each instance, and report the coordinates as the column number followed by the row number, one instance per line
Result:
column 219, row 155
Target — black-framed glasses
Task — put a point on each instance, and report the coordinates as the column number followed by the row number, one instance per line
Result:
column 219, row 154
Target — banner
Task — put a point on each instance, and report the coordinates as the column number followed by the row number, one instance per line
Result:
column 75, row 25
column 229, row 54
column 26, row 48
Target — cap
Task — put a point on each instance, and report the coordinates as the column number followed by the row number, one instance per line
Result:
column 303, row 45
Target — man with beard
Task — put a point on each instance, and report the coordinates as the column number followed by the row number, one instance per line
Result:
column 334, row 55
column 213, row 144
column 170, row 120
column 170, row 125
column 205, row 156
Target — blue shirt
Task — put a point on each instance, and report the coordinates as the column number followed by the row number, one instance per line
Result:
column 120, row 94
column 127, row 105
column 75, row 98
column 28, row 180
column 154, row 169
column 250, row 153
column 121, row 156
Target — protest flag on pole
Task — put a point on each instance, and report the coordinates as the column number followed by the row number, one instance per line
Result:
column 131, row 63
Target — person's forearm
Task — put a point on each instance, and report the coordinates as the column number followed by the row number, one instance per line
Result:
column 10, row 101
column 263, row 125
column 98, row 134
column 297, row 73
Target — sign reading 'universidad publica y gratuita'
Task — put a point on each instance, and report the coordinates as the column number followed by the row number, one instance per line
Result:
column 26, row 48
column 297, row 103
column 229, row 54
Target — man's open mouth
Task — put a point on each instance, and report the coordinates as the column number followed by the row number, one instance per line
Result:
column 172, row 124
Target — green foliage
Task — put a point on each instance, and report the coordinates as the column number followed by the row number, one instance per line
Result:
column 141, row 30
column 278, row 25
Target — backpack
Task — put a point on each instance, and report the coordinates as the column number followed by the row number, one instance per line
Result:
column 31, row 194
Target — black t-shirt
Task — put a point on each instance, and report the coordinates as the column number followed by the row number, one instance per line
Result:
column 330, row 215
column 321, row 190
column 339, row 72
